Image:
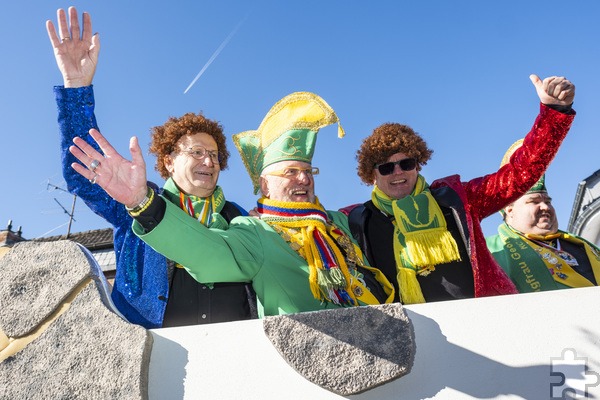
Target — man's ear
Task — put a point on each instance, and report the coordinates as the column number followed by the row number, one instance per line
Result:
column 264, row 186
column 508, row 212
column 168, row 161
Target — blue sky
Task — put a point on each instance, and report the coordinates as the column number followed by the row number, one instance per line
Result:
column 457, row 72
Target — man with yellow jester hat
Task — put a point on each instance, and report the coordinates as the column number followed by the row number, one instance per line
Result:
column 299, row 256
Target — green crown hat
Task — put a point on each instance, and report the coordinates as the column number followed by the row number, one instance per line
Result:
column 540, row 185
column 287, row 133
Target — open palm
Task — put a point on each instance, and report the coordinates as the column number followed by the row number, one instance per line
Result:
column 76, row 52
column 123, row 180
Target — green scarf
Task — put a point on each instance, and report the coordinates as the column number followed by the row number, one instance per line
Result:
column 205, row 209
column 541, row 267
column 421, row 237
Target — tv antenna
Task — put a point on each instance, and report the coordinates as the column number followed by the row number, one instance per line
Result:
column 70, row 214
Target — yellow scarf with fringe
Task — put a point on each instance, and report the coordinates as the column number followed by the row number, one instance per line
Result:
column 421, row 237
column 330, row 254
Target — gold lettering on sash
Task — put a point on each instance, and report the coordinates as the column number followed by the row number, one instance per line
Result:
column 529, row 279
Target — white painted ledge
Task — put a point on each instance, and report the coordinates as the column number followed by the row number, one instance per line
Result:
column 491, row 348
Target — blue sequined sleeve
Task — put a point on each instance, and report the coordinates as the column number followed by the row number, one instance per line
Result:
column 76, row 118
column 141, row 283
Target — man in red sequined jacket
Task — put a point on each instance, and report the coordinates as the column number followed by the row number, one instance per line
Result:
column 427, row 239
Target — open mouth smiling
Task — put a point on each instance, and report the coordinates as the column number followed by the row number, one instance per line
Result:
column 203, row 173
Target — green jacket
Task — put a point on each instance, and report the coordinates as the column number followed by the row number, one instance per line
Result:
column 250, row 250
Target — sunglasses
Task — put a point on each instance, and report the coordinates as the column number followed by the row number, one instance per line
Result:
column 407, row 164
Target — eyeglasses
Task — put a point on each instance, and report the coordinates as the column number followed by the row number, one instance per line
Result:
column 294, row 172
column 407, row 164
column 200, row 153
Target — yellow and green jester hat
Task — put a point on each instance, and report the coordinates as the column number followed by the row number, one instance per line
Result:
column 540, row 185
column 287, row 133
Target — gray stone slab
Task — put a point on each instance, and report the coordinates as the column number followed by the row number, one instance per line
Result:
column 36, row 278
column 89, row 352
column 346, row 351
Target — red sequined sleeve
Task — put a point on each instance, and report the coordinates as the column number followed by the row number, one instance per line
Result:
column 490, row 193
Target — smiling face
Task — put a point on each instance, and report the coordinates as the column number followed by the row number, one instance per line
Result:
column 300, row 188
column 192, row 176
column 399, row 183
column 533, row 214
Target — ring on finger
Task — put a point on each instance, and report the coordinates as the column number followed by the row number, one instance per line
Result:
column 65, row 38
column 93, row 180
column 95, row 164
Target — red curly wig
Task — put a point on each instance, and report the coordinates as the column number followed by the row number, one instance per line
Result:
column 386, row 140
column 165, row 137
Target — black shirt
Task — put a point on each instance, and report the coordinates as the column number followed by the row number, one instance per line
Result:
column 191, row 302
column 374, row 232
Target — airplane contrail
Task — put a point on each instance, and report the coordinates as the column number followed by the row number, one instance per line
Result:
column 215, row 54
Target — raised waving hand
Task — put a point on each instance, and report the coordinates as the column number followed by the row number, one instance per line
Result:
column 123, row 180
column 76, row 51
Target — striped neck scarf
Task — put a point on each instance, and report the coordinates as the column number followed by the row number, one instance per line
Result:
column 421, row 237
column 306, row 228
column 205, row 209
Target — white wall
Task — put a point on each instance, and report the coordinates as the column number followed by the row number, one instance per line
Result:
column 496, row 347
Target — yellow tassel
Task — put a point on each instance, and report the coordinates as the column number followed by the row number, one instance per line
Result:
column 410, row 290
column 436, row 246
column 313, row 276
column 340, row 132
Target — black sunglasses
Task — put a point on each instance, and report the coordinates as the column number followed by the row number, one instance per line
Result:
column 407, row 164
